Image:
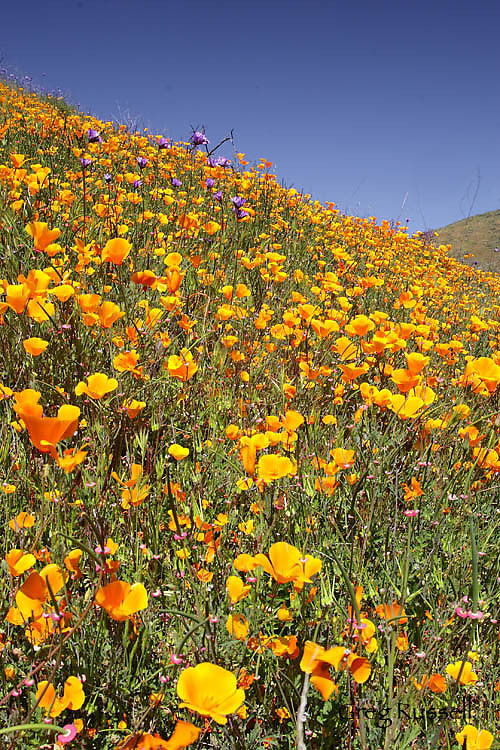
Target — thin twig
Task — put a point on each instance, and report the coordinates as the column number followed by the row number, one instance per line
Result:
column 301, row 715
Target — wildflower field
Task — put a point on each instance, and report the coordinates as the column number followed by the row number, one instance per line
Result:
column 250, row 457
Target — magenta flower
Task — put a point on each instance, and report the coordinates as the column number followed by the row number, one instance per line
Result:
column 467, row 613
column 70, row 732
column 476, row 615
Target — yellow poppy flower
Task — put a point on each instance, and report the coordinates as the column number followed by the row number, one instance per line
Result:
column 210, row 690
column 97, row 386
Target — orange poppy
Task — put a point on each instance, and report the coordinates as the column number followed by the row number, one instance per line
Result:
column 211, row 227
column 416, row 362
column 237, row 626
column 436, row 683
column 116, row 250
column 89, row 302
column 272, row 466
column 392, row 613
column 183, row 735
column 71, row 561
column 317, row 662
column 41, row 234
column 178, row 451
column 464, row 669
column 474, row 739
column 144, row 278
column 71, row 459
column 45, row 432
column 173, row 279
column 406, row 408
column 342, row 458
column 133, row 407
column 284, row 646
column 284, row 563
column 122, row 600
column 16, row 296
column 37, row 589
column 249, row 445
column 210, row 690
column 63, row 292
column 236, row 589
column 19, row 561
column 17, row 160
column 35, row 346
column 182, row 367
column 73, row 696
column 37, row 282
column 97, row 386
column 23, row 520
column 108, row 313
column 482, row 373
column 405, row 379
column 127, row 362
column 360, row 326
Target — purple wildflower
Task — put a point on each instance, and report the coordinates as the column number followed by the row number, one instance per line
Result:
column 137, row 183
column 85, row 162
column 163, row 143
column 237, row 201
column 199, row 139
column 94, row 136
column 210, row 183
column 219, row 161
column 142, row 162
column 107, row 177
column 176, row 182
column 218, row 196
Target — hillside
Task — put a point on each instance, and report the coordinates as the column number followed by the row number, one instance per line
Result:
column 478, row 235
column 249, row 458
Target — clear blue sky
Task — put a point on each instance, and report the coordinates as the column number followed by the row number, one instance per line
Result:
column 389, row 109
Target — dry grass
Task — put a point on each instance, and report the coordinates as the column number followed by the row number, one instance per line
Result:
column 479, row 235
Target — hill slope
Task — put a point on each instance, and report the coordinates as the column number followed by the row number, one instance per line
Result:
column 249, row 457
column 479, row 235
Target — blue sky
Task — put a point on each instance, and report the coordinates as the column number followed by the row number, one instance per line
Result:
column 386, row 108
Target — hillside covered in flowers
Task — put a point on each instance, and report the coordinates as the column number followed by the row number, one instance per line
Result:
column 250, row 457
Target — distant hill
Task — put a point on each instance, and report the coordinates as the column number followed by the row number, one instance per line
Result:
column 479, row 235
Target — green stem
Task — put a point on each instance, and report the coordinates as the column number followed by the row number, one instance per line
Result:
column 475, row 578
column 26, row 727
